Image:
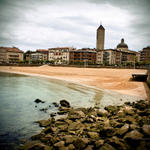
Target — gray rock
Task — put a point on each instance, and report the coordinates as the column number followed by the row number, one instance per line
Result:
column 47, row 130
column 112, row 109
column 36, row 146
column 55, row 104
column 93, row 135
column 128, row 120
column 54, row 129
column 142, row 146
column 135, row 135
column 102, row 113
column 134, row 127
column 44, row 123
column 38, row 136
column 59, row 144
column 99, row 143
column 44, row 109
column 88, row 120
column 106, row 147
column 71, row 147
column 89, row 147
column 141, row 105
column 53, row 114
column 123, row 129
column 105, row 121
column 115, row 123
column 64, row 109
column 61, row 112
column 69, row 139
column 39, row 101
column 80, row 113
column 64, row 103
column 107, row 132
column 117, row 143
column 81, row 143
column 146, row 129
column 129, row 112
column 76, row 114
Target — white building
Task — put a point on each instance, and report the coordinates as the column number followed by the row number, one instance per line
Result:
column 36, row 56
column 59, row 55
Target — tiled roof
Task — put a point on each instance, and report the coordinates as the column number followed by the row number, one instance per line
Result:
column 58, row 48
column 42, row 50
column 84, row 51
column 11, row 49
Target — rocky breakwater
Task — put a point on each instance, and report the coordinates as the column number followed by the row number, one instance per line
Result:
column 125, row 127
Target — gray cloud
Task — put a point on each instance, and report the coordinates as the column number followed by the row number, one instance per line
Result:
column 49, row 23
column 140, row 25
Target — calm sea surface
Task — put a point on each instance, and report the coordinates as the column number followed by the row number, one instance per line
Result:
column 18, row 111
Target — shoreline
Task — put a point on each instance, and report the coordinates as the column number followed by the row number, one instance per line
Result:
column 97, row 80
column 70, row 81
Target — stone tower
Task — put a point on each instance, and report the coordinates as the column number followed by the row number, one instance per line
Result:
column 100, row 38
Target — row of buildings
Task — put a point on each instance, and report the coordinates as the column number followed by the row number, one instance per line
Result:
column 69, row 55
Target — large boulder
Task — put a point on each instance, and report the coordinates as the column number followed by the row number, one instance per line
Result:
column 127, row 119
column 117, row 143
column 142, row 105
column 69, row 139
column 44, row 123
column 107, row 132
column 36, row 146
column 133, row 138
column 93, row 135
column 112, row 109
column 38, row 136
column 39, row 101
column 89, row 147
column 71, row 147
column 102, row 113
column 107, row 147
column 99, row 143
column 76, row 114
column 64, row 103
column 134, row 135
column 81, row 143
column 55, row 104
column 123, row 129
column 146, row 129
column 59, row 145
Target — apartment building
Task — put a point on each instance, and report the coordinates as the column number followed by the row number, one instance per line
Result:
column 99, row 56
column 109, row 57
column 60, row 55
column 44, row 53
column 145, row 54
column 81, row 56
column 38, row 55
column 10, row 55
column 115, row 57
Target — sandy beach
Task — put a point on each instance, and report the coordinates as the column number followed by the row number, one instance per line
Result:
column 117, row 80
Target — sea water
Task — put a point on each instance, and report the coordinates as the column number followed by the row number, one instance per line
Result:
column 19, row 112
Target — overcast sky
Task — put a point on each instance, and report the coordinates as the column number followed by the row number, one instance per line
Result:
column 34, row 24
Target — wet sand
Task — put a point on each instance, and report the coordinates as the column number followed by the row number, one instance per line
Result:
column 117, row 80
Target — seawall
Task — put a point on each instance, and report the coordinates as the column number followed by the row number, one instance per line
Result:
column 148, row 83
column 148, row 79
